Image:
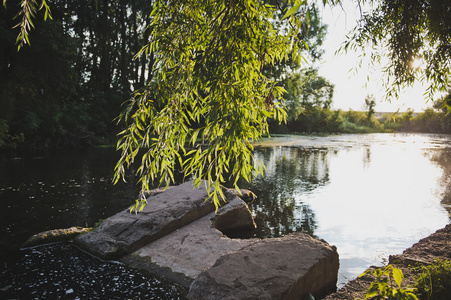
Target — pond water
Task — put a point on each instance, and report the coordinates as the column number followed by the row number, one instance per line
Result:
column 61, row 190
column 370, row 195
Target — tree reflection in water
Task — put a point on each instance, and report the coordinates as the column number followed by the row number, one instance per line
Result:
column 290, row 172
column 442, row 157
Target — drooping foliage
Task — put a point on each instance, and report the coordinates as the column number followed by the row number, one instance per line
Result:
column 206, row 82
column 207, row 76
column 415, row 36
column 208, row 90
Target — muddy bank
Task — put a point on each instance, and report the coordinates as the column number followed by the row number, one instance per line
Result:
column 435, row 246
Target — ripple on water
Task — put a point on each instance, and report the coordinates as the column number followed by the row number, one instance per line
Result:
column 63, row 271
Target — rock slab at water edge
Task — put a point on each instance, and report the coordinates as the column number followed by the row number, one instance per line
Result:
column 179, row 236
column 184, row 253
column 289, row 267
column 124, row 233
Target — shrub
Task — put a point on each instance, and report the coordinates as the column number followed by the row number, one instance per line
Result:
column 381, row 287
column 434, row 281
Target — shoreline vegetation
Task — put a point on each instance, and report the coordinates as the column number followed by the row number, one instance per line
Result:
column 426, row 267
column 319, row 122
column 325, row 121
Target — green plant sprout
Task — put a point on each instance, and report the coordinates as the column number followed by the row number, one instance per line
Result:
column 381, row 287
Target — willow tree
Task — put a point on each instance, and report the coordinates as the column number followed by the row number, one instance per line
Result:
column 208, row 98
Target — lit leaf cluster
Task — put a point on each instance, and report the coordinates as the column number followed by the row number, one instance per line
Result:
column 28, row 10
column 407, row 32
column 208, row 99
column 381, row 287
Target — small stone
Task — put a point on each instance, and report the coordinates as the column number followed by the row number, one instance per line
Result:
column 235, row 216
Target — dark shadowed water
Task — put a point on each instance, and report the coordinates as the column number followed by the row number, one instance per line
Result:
column 58, row 190
column 370, row 195
column 61, row 271
column 61, row 190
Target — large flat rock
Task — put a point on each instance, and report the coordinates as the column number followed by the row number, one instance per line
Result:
column 178, row 235
column 183, row 254
column 124, row 233
column 290, row 267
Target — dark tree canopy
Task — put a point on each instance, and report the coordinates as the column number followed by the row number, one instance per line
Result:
column 78, row 66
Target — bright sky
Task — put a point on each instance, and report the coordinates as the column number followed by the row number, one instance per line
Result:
column 350, row 90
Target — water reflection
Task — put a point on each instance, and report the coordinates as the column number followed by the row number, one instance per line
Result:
column 443, row 160
column 370, row 195
column 366, row 157
column 288, row 170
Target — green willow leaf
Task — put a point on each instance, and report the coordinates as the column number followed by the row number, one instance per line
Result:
column 292, row 10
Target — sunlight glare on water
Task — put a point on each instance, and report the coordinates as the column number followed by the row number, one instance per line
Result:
column 371, row 195
column 376, row 200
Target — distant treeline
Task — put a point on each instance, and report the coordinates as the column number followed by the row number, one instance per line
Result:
column 324, row 120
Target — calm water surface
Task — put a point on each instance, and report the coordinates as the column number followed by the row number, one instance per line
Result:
column 60, row 190
column 370, row 195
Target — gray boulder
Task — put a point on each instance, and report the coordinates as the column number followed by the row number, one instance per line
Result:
column 235, row 216
column 124, row 233
column 290, row 267
column 184, row 253
column 177, row 235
